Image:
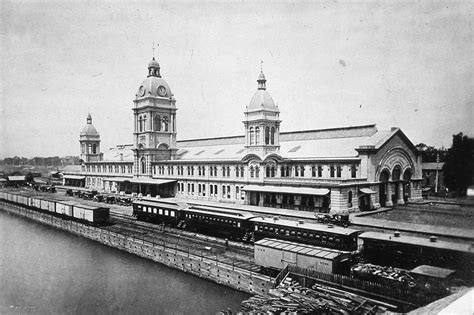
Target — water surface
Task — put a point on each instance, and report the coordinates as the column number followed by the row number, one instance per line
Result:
column 45, row 270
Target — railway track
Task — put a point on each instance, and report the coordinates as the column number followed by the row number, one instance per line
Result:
column 233, row 256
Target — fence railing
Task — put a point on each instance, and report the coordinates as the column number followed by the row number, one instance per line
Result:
column 400, row 292
column 281, row 276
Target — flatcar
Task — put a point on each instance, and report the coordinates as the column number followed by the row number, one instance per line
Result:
column 308, row 233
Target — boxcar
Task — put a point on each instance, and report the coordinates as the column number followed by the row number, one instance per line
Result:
column 273, row 253
column 48, row 205
column 308, row 233
column 90, row 214
column 65, row 208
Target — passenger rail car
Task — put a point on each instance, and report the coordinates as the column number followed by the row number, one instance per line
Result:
column 64, row 209
column 243, row 226
column 309, row 233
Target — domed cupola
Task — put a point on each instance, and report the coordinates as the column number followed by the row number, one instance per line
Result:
column 154, row 85
column 89, row 129
column 262, row 100
column 262, row 123
column 154, row 68
column 89, row 140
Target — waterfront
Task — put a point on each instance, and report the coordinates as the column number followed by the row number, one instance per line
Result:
column 44, row 270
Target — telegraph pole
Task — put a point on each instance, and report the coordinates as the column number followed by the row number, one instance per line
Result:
column 437, row 166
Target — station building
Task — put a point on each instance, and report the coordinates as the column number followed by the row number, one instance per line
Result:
column 333, row 170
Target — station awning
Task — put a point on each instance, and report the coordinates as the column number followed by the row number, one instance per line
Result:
column 73, row 177
column 152, row 181
column 288, row 190
column 367, row 191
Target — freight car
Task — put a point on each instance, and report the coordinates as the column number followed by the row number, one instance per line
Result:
column 64, row 209
column 273, row 255
column 241, row 225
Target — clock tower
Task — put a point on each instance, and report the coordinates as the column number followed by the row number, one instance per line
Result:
column 154, row 113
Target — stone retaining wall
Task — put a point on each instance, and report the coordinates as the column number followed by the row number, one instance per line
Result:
column 225, row 274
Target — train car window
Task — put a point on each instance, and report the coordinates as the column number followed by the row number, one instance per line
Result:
column 166, row 212
column 238, row 224
column 305, row 234
column 338, row 241
column 271, row 229
column 161, row 211
column 298, row 234
column 311, row 235
column 293, row 233
column 331, row 239
column 172, row 213
column 154, row 210
column 256, row 228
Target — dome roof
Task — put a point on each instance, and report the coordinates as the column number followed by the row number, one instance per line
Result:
column 154, row 86
column 89, row 129
column 153, row 64
column 262, row 100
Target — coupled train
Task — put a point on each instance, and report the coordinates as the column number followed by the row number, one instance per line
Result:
column 243, row 226
column 60, row 208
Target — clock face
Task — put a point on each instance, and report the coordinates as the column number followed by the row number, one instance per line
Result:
column 161, row 90
column 141, row 91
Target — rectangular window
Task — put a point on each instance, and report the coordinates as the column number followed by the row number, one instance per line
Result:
column 353, row 171
column 339, row 171
column 332, row 171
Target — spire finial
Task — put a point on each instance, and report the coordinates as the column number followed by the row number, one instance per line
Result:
column 153, row 48
column 261, row 65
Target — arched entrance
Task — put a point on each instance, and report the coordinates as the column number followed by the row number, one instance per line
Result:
column 383, row 178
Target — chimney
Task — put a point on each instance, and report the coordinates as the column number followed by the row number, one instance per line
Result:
column 396, row 234
column 433, row 239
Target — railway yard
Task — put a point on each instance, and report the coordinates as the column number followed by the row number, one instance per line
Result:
column 438, row 224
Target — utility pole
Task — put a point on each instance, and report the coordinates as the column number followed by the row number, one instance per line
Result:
column 437, row 166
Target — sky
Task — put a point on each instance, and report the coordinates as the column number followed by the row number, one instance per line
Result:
column 328, row 64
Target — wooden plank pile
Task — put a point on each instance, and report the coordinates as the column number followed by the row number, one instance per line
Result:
column 291, row 297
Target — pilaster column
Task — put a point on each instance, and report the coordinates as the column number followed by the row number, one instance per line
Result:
column 389, row 202
column 262, row 197
column 400, row 200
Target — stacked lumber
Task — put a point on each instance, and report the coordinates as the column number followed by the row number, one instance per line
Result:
column 372, row 272
column 291, row 297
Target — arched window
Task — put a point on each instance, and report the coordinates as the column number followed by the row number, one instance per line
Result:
column 94, row 148
column 272, row 173
column 157, row 123
column 143, row 166
column 267, row 135
column 257, row 171
column 140, row 123
column 89, row 148
column 251, row 136
column 267, row 171
column 251, row 171
column 302, row 171
column 272, row 140
column 257, row 135
column 165, row 123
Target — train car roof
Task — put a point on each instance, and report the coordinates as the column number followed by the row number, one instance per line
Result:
column 220, row 210
column 307, row 226
column 90, row 207
column 305, row 249
column 235, row 215
column 158, row 203
column 418, row 241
